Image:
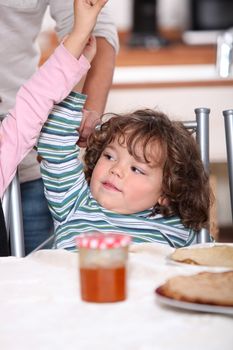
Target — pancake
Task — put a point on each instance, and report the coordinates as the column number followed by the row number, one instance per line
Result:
column 218, row 255
column 203, row 288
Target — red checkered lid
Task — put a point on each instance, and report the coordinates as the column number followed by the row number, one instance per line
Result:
column 98, row 240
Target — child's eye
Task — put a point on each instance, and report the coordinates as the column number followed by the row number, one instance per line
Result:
column 107, row 156
column 137, row 170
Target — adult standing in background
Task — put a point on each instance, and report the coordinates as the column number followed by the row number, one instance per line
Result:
column 19, row 56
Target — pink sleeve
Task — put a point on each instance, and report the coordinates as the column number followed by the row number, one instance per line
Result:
column 50, row 84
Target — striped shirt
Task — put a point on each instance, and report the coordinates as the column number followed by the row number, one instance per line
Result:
column 72, row 205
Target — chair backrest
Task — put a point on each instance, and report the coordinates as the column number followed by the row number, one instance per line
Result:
column 228, row 122
column 12, row 209
column 201, row 127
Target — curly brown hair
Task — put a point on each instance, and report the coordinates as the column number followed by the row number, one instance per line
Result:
column 185, row 184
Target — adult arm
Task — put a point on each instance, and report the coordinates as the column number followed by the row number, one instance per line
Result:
column 96, row 87
column 99, row 78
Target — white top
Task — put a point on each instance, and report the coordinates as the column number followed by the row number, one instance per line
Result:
column 19, row 52
column 41, row 307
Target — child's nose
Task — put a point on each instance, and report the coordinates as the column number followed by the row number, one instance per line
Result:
column 117, row 169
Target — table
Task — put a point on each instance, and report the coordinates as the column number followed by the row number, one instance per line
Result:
column 41, row 307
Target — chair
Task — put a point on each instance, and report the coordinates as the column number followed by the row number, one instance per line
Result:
column 12, row 209
column 228, row 122
column 201, row 127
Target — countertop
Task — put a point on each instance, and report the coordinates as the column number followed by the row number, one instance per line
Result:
column 173, row 65
column 174, row 53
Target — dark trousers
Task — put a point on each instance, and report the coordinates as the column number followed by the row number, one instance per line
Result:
column 37, row 220
column 4, row 248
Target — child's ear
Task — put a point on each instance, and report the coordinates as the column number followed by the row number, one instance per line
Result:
column 39, row 159
column 163, row 201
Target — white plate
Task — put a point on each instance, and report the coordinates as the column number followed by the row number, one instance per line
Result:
column 193, row 306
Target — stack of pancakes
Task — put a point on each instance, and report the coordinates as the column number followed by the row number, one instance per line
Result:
column 214, row 288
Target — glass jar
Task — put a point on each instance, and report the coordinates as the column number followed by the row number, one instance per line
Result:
column 102, row 261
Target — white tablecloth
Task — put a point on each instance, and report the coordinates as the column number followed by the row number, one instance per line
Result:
column 40, row 308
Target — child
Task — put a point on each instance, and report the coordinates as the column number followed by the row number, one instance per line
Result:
column 142, row 176
column 52, row 82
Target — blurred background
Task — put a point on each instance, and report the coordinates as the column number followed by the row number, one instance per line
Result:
column 175, row 55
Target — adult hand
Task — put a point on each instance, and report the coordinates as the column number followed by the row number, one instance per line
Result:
column 90, row 120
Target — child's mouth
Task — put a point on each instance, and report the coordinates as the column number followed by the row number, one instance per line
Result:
column 109, row 186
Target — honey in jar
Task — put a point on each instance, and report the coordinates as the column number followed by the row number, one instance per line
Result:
column 102, row 259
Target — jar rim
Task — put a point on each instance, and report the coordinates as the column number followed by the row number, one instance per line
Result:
column 99, row 240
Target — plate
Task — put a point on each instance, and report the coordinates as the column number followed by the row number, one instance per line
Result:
column 193, row 306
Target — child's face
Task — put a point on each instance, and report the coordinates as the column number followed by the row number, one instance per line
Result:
column 125, row 185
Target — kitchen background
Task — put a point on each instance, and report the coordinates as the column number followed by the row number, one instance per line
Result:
column 175, row 79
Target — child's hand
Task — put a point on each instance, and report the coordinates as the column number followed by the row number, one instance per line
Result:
column 90, row 120
column 85, row 15
column 90, row 49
